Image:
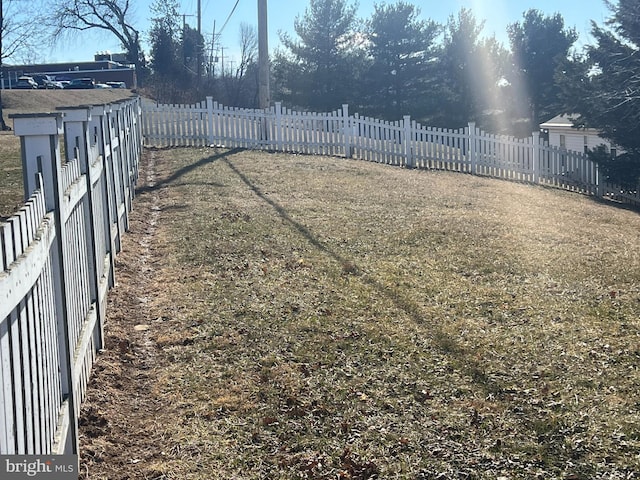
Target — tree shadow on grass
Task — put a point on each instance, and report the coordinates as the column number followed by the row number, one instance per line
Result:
column 462, row 360
column 188, row 169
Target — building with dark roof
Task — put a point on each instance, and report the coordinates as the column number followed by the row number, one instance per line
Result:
column 102, row 70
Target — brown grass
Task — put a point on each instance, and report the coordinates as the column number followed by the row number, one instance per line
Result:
column 11, row 182
column 314, row 317
column 38, row 101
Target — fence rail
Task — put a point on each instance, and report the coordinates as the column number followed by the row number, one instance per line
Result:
column 403, row 143
column 57, row 263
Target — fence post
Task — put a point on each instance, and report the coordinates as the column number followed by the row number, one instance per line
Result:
column 473, row 160
column 121, row 168
column 210, row 121
column 76, row 132
column 126, row 114
column 39, row 137
column 77, row 141
column 136, row 126
column 278, row 113
column 115, row 195
column 535, row 167
column 98, row 124
column 407, row 150
column 126, row 155
column 599, row 182
column 346, row 128
column 40, row 140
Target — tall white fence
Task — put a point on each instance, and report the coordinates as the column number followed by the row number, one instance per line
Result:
column 403, row 143
column 57, row 263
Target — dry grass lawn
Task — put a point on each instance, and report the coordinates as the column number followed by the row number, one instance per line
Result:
column 289, row 317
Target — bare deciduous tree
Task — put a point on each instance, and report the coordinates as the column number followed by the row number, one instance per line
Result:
column 19, row 28
column 20, row 25
column 248, row 48
column 113, row 16
column 239, row 86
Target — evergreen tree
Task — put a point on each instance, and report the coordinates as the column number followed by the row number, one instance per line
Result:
column 539, row 45
column 400, row 49
column 175, row 52
column 491, row 89
column 468, row 72
column 192, row 44
column 603, row 87
column 317, row 70
column 164, row 37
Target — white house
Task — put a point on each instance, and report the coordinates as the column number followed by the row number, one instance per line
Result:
column 562, row 133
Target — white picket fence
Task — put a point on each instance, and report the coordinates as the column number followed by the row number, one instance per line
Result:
column 57, row 263
column 404, row 143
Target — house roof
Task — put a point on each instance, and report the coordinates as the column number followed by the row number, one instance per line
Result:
column 565, row 120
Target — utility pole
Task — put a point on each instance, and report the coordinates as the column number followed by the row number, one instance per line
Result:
column 184, row 39
column 200, row 47
column 3, row 125
column 264, row 93
column 213, row 52
column 222, row 49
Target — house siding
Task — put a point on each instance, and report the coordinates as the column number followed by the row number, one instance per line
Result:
column 574, row 138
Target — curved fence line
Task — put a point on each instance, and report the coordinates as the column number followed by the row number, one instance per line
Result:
column 403, row 143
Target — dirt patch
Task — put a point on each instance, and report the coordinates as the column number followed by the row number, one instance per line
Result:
column 113, row 433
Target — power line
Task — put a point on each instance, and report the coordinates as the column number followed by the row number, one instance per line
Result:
column 229, row 17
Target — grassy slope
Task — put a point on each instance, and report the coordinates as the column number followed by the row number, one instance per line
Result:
column 36, row 101
column 309, row 317
column 31, row 101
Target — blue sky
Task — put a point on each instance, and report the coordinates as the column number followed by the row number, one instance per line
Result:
column 497, row 14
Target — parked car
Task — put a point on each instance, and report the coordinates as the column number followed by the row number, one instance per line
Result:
column 81, row 83
column 26, row 82
column 102, row 85
column 117, row 84
column 46, row 81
